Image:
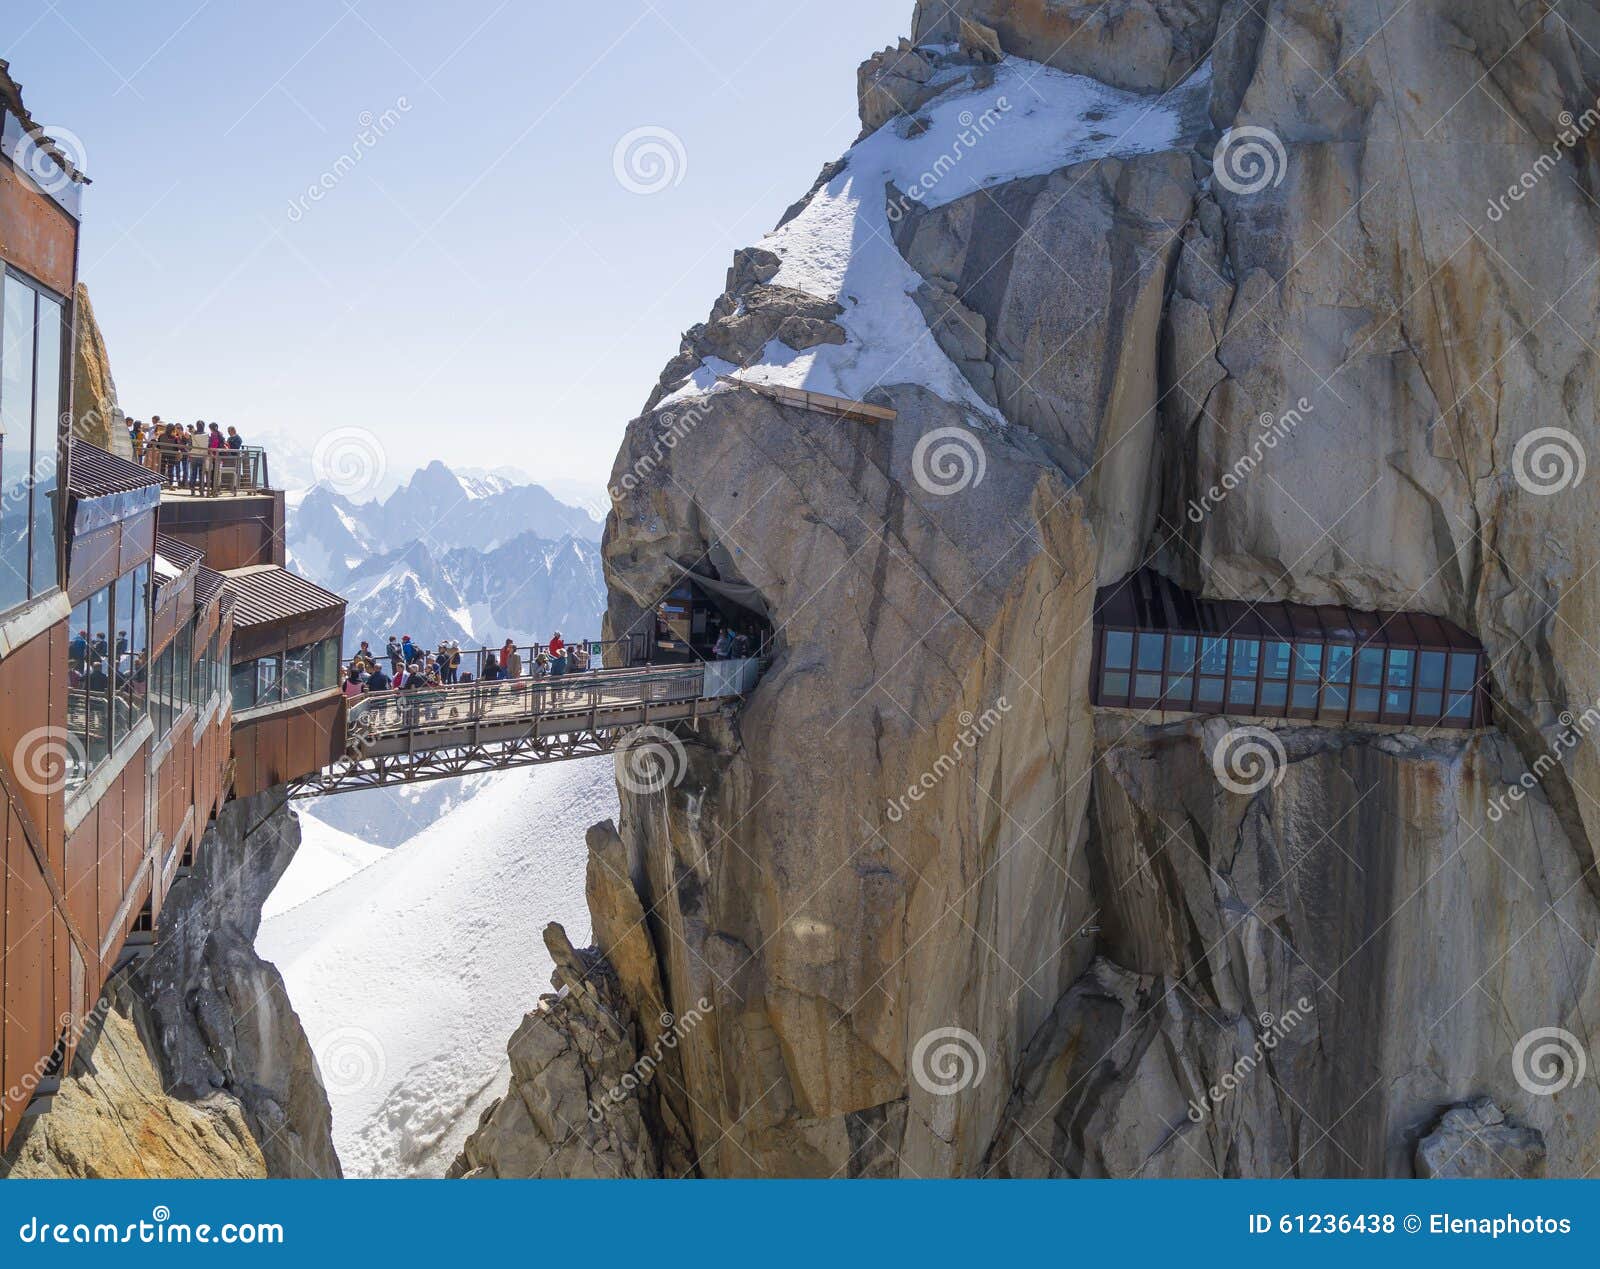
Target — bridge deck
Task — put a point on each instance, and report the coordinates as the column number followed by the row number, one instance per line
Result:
column 405, row 737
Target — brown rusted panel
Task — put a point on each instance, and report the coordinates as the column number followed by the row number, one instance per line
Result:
column 108, row 844
column 28, row 1034
column 93, row 563
column 82, row 880
column 233, row 532
column 244, row 760
column 24, row 714
column 36, row 236
column 138, row 542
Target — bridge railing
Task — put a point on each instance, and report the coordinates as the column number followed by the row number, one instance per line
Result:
column 599, row 654
column 398, row 713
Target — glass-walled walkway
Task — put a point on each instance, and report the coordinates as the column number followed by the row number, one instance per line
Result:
column 1159, row 647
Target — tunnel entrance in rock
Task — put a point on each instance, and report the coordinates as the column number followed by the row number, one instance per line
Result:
column 705, row 618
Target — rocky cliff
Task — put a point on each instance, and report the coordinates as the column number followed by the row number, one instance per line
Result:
column 200, row 1066
column 947, row 919
column 96, row 416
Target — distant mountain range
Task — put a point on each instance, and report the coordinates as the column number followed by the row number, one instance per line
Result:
column 447, row 555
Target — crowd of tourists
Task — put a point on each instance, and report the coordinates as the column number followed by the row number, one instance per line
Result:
column 192, row 458
column 406, row 665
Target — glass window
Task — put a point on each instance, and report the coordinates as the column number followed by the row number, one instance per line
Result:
column 268, row 673
column 1308, row 661
column 1210, row 692
column 1305, row 696
column 1179, row 689
column 1275, row 665
column 16, row 439
column 1339, row 657
column 1246, row 657
column 1430, row 670
column 297, row 671
column 1114, row 685
column 325, row 670
column 1213, row 656
column 1460, row 709
column 1151, row 650
column 1463, row 671
column 1119, row 650
column 46, row 423
column 1397, row 693
column 123, row 608
column 1180, row 653
column 78, row 644
column 183, row 667
column 242, row 684
column 161, row 693
column 1274, row 694
column 1369, row 678
column 98, row 734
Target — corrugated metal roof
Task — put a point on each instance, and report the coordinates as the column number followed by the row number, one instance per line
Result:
column 93, row 473
column 207, row 582
column 269, row 593
column 174, row 558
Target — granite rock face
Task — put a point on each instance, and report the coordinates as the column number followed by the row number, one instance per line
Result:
column 113, row 1116
column 953, row 921
column 96, row 416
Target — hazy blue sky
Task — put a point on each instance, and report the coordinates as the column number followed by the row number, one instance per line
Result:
column 477, row 284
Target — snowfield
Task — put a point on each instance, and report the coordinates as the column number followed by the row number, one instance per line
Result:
column 411, row 967
column 1029, row 121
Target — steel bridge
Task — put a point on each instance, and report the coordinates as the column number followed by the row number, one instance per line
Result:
column 410, row 736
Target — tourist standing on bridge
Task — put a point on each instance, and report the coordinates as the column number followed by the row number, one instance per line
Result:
column 511, row 660
column 353, row 686
column 378, row 681
column 395, row 654
column 558, row 655
column 408, row 649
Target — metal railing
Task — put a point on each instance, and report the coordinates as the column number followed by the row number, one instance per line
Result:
column 596, row 654
column 528, row 700
column 206, row 472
